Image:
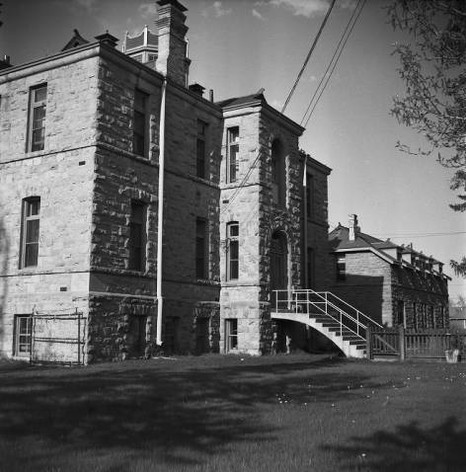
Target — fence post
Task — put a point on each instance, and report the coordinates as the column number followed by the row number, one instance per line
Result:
column 368, row 342
column 402, row 343
column 79, row 336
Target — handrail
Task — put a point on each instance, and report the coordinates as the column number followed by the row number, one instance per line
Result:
column 302, row 290
column 292, row 298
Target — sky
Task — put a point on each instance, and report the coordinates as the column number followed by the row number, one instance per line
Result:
column 240, row 46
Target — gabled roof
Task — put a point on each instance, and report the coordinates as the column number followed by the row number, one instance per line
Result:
column 75, row 41
column 340, row 242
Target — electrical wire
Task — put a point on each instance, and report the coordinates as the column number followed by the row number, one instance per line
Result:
column 334, row 61
column 309, row 54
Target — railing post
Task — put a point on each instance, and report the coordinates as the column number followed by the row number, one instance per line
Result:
column 402, row 343
column 368, row 342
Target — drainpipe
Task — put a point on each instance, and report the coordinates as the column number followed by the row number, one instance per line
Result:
column 160, row 214
column 306, row 275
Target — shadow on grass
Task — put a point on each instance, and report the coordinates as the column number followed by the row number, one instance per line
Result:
column 409, row 448
column 169, row 409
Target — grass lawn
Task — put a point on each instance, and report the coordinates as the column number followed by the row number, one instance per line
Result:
column 232, row 413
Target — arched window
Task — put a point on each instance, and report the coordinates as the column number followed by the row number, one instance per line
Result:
column 278, row 173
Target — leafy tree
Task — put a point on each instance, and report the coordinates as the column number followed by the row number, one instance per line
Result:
column 432, row 66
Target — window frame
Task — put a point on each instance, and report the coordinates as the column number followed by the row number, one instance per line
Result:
column 35, row 105
column 232, row 251
column 137, row 239
column 231, row 334
column 17, row 352
column 140, row 121
column 232, row 154
column 27, row 217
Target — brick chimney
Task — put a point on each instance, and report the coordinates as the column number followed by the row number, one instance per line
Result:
column 354, row 229
column 172, row 60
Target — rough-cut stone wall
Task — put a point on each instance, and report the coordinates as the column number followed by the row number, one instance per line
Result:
column 317, row 229
column 61, row 175
column 367, row 285
column 239, row 298
column 251, row 203
column 121, row 177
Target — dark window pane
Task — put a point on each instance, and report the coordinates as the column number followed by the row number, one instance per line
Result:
column 137, row 239
column 31, row 254
column 33, row 207
column 40, row 94
column 32, row 231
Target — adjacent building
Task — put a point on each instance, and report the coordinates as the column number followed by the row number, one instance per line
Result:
column 392, row 284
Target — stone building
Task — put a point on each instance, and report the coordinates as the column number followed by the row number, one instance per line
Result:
column 392, row 284
column 106, row 154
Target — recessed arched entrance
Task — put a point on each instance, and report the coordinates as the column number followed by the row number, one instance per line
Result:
column 279, row 281
column 278, row 261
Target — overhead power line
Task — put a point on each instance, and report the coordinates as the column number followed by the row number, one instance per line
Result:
column 309, row 54
column 427, row 235
column 333, row 61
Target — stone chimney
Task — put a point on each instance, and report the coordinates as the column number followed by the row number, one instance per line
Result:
column 172, row 60
column 5, row 62
column 354, row 229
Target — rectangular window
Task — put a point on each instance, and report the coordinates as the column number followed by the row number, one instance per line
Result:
column 400, row 313
column 36, row 119
column 22, row 337
column 232, row 154
column 30, row 232
column 201, row 163
column 233, row 250
column 310, row 200
column 341, row 267
column 201, row 248
column 139, row 123
column 231, row 334
column 137, row 236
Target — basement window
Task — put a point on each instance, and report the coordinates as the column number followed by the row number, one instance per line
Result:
column 231, row 334
column 22, row 337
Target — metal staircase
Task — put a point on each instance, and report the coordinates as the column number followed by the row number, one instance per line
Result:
column 340, row 322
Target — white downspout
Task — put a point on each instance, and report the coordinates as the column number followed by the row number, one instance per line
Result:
column 306, row 275
column 160, row 214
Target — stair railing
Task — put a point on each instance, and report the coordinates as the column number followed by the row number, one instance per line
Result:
column 294, row 298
